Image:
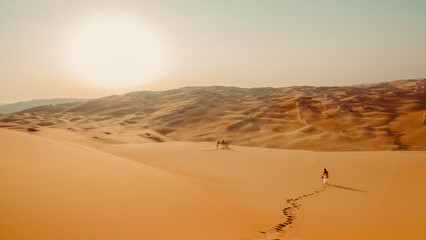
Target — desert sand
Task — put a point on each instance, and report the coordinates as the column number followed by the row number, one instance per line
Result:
column 385, row 116
column 51, row 190
column 145, row 165
column 56, row 185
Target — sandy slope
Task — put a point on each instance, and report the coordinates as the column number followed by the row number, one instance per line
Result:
column 386, row 116
column 122, row 167
column 67, row 186
column 374, row 195
column 50, row 190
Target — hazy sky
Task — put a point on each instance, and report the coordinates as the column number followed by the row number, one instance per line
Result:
column 246, row 43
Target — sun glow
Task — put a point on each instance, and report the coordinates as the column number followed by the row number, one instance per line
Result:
column 116, row 52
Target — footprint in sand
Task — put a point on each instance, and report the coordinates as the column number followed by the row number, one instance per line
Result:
column 289, row 213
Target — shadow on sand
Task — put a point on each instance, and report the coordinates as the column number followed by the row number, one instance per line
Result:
column 347, row 188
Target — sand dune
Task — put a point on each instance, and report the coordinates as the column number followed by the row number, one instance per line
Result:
column 65, row 185
column 19, row 106
column 371, row 117
column 51, row 190
column 373, row 195
column 144, row 165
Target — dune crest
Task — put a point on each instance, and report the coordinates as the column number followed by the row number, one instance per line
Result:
column 385, row 116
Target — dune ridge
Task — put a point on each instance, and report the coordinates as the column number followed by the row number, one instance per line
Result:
column 85, row 179
column 55, row 190
column 19, row 106
column 384, row 116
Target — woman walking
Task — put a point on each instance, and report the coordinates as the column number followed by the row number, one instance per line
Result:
column 325, row 177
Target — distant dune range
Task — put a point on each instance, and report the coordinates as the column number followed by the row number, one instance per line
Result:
column 384, row 116
column 19, row 106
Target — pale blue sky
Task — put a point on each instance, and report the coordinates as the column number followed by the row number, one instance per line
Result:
column 239, row 43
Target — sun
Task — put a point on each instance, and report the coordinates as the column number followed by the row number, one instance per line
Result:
column 116, row 52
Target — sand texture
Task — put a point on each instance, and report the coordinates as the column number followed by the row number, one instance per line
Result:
column 386, row 116
column 51, row 190
column 145, row 165
column 61, row 186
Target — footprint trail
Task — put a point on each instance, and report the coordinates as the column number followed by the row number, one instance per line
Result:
column 278, row 232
